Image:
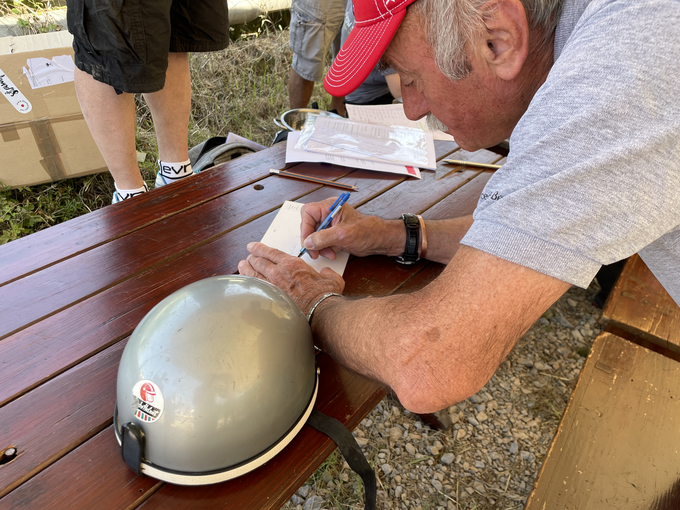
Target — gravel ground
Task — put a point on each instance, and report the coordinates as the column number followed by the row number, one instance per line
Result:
column 491, row 456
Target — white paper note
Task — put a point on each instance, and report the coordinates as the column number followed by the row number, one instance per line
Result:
column 43, row 72
column 390, row 115
column 284, row 234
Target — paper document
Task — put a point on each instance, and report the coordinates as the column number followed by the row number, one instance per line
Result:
column 284, row 234
column 294, row 155
column 43, row 72
column 390, row 115
column 394, row 145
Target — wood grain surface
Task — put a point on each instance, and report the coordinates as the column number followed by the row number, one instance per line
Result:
column 617, row 446
column 638, row 303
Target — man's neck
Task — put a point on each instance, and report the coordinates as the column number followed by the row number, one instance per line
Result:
column 537, row 66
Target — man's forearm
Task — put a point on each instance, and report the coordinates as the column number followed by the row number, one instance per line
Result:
column 392, row 340
column 443, row 237
column 441, row 344
column 353, row 332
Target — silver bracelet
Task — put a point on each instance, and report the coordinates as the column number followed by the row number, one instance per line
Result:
column 325, row 296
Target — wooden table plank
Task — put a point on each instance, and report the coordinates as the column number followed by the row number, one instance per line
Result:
column 465, row 201
column 416, row 196
column 79, row 480
column 617, row 445
column 638, row 303
column 46, row 424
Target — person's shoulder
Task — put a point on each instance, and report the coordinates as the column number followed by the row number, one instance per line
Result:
column 618, row 26
column 613, row 12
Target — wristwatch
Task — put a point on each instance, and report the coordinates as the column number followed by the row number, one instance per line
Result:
column 410, row 255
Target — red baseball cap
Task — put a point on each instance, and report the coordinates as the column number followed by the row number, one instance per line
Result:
column 376, row 22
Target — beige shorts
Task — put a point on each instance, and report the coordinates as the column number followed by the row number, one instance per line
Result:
column 314, row 27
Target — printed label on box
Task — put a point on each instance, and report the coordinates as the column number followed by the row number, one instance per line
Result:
column 13, row 94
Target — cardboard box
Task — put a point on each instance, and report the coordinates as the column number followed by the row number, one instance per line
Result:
column 51, row 142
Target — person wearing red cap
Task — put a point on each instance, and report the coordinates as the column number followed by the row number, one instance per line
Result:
column 587, row 92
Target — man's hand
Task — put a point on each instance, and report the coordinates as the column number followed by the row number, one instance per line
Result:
column 350, row 230
column 290, row 274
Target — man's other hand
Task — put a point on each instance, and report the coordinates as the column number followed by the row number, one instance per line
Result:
column 290, row 274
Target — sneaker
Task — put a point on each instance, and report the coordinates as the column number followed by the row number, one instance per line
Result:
column 120, row 196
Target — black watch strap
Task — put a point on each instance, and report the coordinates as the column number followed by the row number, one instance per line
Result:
column 410, row 255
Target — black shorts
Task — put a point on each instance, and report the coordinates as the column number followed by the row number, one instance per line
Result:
column 125, row 43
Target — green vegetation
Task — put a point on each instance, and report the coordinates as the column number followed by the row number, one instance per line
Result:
column 240, row 89
column 32, row 16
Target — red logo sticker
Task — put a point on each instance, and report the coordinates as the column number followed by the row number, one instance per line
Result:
column 149, row 401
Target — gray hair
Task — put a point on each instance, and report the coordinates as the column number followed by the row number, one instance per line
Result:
column 449, row 24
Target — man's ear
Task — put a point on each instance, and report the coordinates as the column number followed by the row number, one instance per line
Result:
column 506, row 41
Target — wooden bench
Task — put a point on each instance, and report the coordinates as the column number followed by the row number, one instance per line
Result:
column 639, row 305
column 618, row 444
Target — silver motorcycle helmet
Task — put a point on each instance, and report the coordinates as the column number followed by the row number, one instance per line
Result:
column 215, row 380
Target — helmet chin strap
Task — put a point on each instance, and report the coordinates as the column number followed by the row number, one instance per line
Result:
column 350, row 450
column 133, row 443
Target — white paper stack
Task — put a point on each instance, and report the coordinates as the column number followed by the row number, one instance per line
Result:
column 394, row 149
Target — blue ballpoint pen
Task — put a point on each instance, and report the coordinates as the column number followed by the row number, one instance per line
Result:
column 337, row 205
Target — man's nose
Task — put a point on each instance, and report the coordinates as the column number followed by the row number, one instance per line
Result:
column 415, row 105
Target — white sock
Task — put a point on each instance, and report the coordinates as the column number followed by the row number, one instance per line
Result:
column 175, row 171
column 123, row 194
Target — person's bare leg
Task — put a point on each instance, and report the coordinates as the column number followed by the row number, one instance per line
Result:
column 299, row 90
column 170, row 108
column 338, row 104
column 112, row 122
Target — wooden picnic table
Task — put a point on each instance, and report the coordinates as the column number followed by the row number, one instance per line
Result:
column 71, row 295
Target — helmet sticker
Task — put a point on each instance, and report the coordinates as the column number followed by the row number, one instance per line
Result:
column 149, row 401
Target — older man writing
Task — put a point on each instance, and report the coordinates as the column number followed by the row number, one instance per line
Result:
column 587, row 91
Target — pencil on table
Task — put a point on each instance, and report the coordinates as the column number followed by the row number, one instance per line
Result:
column 309, row 178
column 471, row 163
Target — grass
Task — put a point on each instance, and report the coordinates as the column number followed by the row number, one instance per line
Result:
column 32, row 16
column 240, row 89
